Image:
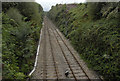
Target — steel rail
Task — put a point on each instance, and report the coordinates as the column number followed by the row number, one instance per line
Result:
column 55, row 65
column 44, row 57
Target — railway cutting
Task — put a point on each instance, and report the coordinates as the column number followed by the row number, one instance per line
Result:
column 56, row 56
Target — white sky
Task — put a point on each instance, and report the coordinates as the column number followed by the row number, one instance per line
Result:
column 46, row 4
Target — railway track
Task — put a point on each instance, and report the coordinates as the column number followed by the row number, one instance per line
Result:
column 49, row 63
column 53, row 57
column 75, row 74
column 51, row 70
column 44, row 57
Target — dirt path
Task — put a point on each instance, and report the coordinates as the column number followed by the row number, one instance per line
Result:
column 56, row 55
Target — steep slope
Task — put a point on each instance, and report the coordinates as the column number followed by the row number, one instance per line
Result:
column 21, row 24
column 94, row 30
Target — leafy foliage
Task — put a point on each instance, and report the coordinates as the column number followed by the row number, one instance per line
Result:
column 94, row 31
column 19, row 39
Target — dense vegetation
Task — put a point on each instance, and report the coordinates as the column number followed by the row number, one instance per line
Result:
column 21, row 24
column 94, row 31
column 0, row 44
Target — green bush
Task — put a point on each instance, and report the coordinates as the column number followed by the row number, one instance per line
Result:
column 29, row 9
column 19, row 40
column 14, row 14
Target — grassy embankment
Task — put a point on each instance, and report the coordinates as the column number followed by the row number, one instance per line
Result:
column 94, row 31
column 21, row 24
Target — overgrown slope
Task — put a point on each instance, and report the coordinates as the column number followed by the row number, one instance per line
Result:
column 94, row 31
column 21, row 24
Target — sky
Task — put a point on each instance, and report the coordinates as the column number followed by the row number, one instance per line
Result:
column 46, row 4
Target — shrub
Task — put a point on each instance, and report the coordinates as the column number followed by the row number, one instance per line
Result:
column 14, row 14
column 20, row 37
